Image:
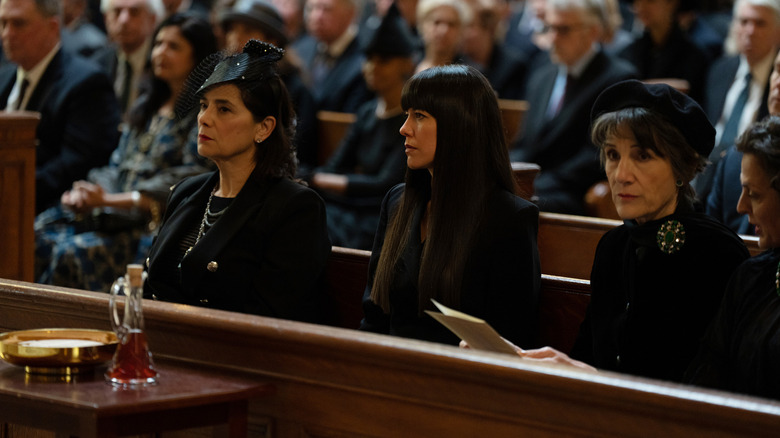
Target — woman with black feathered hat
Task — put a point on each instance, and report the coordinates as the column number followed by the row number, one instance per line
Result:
column 248, row 237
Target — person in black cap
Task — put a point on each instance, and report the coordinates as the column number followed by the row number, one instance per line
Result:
column 370, row 159
column 248, row 237
column 259, row 20
column 657, row 280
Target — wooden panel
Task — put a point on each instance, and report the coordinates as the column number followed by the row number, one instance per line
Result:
column 17, row 194
column 525, row 175
column 567, row 243
column 512, row 115
column 332, row 126
column 342, row 383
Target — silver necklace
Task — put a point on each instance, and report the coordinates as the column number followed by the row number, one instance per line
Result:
column 203, row 222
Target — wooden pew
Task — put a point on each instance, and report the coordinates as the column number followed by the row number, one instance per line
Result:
column 512, row 115
column 562, row 301
column 337, row 382
column 567, row 243
column 17, row 194
column 332, row 126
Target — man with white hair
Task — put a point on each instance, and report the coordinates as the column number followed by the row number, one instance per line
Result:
column 738, row 85
column 79, row 116
column 331, row 54
column 130, row 25
column 556, row 132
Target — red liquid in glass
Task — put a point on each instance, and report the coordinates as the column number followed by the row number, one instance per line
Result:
column 132, row 360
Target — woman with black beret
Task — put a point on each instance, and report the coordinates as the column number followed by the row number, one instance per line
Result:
column 657, row 280
column 248, row 237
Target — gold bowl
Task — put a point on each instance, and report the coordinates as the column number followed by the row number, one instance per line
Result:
column 58, row 351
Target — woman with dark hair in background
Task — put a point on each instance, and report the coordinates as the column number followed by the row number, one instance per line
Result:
column 454, row 232
column 108, row 221
column 248, row 237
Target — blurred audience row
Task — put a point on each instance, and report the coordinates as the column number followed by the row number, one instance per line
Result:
column 91, row 66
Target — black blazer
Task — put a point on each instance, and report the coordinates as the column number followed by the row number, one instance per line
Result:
column 344, row 89
column 501, row 278
column 561, row 145
column 79, row 123
column 264, row 256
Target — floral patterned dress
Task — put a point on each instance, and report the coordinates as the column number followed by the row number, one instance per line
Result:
column 89, row 251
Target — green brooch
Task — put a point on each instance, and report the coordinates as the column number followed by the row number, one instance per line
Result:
column 670, row 237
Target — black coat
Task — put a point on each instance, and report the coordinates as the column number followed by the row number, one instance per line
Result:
column 344, row 88
column 500, row 283
column 270, row 248
column 372, row 158
column 561, row 146
column 79, row 123
column 741, row 350
column 678, row 58
column 506, row 72
column 649, row 309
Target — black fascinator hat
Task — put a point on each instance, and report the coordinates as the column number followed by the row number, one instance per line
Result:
column 255, row 64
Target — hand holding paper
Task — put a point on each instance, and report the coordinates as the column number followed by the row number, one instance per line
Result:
column 476, row 332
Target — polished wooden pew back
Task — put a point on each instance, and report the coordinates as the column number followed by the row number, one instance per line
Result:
column 335, row 382
column 17, row 194
column 567, row 243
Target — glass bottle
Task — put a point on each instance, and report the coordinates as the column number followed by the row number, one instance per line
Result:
column 132, row 364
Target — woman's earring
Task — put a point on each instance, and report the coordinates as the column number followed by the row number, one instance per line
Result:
column 679, row 183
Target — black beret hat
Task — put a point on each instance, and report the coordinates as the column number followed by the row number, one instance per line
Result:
column 257, row 13
column 680, row 110
column 389, row 37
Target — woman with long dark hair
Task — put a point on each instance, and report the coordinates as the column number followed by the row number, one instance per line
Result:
column 454, row 232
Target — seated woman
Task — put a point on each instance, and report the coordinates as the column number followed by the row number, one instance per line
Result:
column 370, row 159
column 454, row 232
column 657, row 280
column 741, row 348
column 107, row 222
column 441, row 24
column 248, row 237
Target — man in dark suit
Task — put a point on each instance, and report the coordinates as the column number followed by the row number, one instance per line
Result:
column 738, row 86
column 331, row 54
column 721, row 203
column 130, row 25
column 560, row 95
column 79, row 117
